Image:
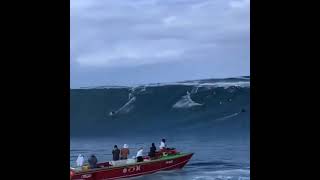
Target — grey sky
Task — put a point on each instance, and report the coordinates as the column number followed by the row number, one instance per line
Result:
column 121, row 42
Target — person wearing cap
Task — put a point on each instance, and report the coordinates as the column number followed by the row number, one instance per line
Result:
column 140, row 155
column 115, row 153
column 124, row 152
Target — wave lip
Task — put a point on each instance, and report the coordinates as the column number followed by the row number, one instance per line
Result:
column 228, row 82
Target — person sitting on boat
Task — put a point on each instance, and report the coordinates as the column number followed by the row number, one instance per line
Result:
column 80, row 160
column 115, row 153
column 92, row 161
column 124, row 152
column 163, row 145
column 153, row 150
column 140, row 155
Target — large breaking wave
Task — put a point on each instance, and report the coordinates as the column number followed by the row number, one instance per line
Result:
column 208, row 106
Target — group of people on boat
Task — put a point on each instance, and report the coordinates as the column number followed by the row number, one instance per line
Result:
column 123, row 153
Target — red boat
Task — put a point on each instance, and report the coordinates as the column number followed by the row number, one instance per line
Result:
column 165, row 160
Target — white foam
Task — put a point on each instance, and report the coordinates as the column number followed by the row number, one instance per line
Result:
column 233, row 174
column 204, row 178
column 225, row 84
column 139, row 88
column 194, row 90
column 207, row 84
column 186, row 102
column 129, row 96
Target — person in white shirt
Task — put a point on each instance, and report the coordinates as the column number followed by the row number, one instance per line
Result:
column 139, row 155
column 80, row 160
column 163, row 144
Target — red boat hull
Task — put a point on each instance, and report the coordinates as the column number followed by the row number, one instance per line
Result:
column 137, row 169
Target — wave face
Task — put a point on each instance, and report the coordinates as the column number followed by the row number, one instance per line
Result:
column 211, row 106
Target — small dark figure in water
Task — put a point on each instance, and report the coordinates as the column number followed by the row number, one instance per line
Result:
column 116, row 153
column 243, row 110
column 153, row 150
column 92, row 161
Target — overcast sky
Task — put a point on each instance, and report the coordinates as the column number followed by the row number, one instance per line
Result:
column 123, row 42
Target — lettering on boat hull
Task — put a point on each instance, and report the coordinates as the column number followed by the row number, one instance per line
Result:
column 131, row 169
column 169, row 162
column 86, row 176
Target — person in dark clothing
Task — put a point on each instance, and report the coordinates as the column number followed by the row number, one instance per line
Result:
column 153, row 150
column 92, row 161
column 116, row 153
column 140, row 159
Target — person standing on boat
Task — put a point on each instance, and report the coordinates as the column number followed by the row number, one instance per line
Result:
column 140, row 155
column 153, row 150
column 124, row 152
column 115, row 153
column 92, row 161
column 163, row 145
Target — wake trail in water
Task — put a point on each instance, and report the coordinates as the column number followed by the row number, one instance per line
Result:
column 227, row 117
column 126, row 107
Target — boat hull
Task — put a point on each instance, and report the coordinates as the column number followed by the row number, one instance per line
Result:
column 137, row 169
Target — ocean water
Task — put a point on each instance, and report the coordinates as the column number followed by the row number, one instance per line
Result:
column 210, row 118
